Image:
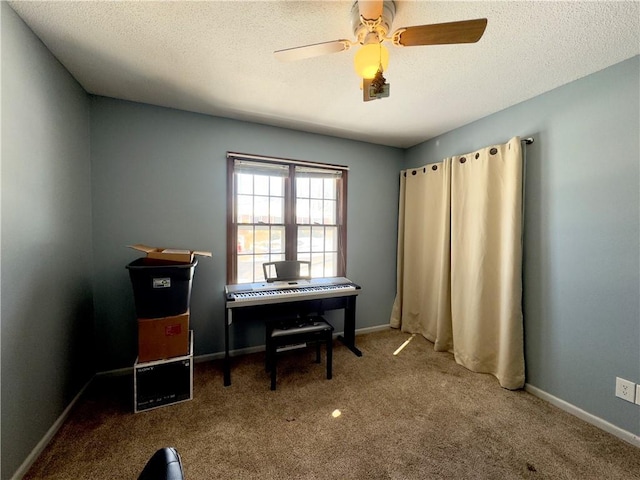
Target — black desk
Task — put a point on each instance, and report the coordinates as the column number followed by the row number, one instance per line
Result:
column 267, row 301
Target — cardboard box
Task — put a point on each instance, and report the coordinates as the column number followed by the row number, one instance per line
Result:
column 162, row 338
column 164, row 382
column 169, row 254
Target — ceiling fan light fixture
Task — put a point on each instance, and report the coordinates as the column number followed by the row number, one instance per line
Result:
column 371, row 21
column 369, row 58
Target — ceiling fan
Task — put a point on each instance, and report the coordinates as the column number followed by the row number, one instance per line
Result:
column 371, row 21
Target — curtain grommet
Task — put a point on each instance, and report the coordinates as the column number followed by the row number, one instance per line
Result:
column 477, row 156
column 493, row 151
column 435, row 167
column 463, row 159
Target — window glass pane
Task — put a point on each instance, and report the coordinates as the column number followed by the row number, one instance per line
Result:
column 329, row 212
column 261, row 240
column 245, row 239
column 261, row 209
column 244, row 208
column 302, row 187
column 276, row 186
column 258, row 272
column 331, row 239
column 317, row 239
column 245, row 184
column 245, row 268
column 317, row 265
column 316, row 211
column 276, row 257
column 316, row 187
column 329, row 188
column 304, row 256
column 261, row 185
column 304, row 239
column 276, row 210
column 302, row 211
column 277, row 240
column 331, row 264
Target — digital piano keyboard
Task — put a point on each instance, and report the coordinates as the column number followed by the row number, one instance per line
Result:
column 262, row 300
column 244, row 295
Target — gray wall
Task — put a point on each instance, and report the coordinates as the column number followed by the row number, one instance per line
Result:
column 46, row 294
column 159, row 177
column 582, row 241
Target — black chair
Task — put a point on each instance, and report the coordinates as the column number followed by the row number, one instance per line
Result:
column 165, row 464
column 289, row 334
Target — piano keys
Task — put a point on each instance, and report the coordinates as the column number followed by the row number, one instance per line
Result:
column 304, row 297
column 279, row 292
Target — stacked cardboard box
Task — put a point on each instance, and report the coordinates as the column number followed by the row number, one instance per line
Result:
column 163, row 338
column 162, row 290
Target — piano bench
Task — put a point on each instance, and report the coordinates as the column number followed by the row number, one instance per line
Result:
column 312, row 330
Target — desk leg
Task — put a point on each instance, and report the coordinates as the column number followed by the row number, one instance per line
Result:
column 349, row 338
column 228, row 318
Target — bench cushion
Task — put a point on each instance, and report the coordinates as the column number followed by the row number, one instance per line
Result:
column 311, row 327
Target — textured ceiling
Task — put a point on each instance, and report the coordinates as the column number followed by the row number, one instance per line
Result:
column 217, row 58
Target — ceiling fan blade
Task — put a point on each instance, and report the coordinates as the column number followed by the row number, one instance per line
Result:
column 466, row 31
column 315, row 50
column 370, row 9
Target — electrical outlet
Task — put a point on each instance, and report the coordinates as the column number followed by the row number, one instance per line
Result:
column 638, row 394
column 625, row 389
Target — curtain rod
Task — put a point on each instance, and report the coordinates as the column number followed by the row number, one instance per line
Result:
column 527, row 141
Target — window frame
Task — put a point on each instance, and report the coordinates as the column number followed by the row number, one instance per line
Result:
column 291, row 225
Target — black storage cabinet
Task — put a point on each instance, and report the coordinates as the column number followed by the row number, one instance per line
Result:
column 161, row 288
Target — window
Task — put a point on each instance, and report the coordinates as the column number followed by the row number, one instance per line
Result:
column 284, row 210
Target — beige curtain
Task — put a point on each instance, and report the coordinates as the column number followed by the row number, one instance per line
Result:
column 423, row 301
column 460, row 283
column 486, row 262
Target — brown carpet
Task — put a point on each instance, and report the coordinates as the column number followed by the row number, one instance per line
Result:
column 417, row 415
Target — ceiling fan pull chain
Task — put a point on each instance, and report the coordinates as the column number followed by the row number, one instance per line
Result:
column 378, row 82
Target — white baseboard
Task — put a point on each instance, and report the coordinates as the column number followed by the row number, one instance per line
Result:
column 586, row 416
column 233, row 353
column 44, row 441
column 377, row 328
